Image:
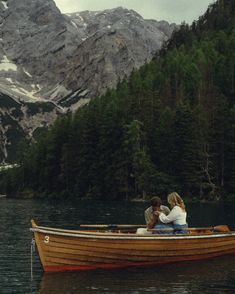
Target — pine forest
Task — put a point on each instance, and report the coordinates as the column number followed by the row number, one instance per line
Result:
column 170, row 126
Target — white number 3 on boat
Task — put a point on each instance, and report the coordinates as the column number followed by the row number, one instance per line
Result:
column 46, row 239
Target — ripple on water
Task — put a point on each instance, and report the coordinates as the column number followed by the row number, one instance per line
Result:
column 212, row 276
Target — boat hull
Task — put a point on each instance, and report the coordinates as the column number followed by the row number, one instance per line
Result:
column 62, row 250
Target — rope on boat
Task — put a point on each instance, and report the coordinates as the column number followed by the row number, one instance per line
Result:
column 31, row 260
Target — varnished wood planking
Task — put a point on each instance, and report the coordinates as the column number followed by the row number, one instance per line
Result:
column 142, row 244
column 105, row 259
column 83, row 250
column 126, row 254
column 80, row 246
column 63, row 260
column 109, row 258
column 147, row 244
column 65, row 251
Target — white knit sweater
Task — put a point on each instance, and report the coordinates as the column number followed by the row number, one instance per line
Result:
column 177, row 216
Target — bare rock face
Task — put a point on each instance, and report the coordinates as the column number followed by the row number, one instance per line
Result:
column 36, row 41
column 46, row 56
column 114, row 43
column 22, row 120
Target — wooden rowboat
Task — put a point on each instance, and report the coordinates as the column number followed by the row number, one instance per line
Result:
column 64, row 250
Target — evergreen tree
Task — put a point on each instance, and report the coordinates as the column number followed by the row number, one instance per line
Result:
column 169, row 126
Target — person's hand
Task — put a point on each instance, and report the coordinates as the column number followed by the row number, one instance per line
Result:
column 157, row 212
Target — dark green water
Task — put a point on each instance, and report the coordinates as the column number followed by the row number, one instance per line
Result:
column 211, row 276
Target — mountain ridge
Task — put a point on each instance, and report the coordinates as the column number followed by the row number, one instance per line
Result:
column 49, row 45
column 168, row 127
column 66, row 59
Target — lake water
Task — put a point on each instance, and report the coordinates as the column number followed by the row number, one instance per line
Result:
column 210, row 276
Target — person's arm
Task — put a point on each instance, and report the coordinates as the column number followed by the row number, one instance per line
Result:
column 152, row 223
column 150, row 218
column 147, row 215
column 165, row 210
column 170, row 217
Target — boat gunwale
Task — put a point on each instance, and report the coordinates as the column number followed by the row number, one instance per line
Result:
column 125, row 236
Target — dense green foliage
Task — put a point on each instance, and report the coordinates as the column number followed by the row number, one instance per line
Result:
column 170, row 126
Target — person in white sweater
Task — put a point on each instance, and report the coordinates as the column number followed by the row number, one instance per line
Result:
column 176, row 219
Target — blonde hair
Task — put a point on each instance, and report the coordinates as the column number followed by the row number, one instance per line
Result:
column 175, row 199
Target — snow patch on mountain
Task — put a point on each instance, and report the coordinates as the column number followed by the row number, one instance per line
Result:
column 51, row 63
column 4, row 3
column 7, row 65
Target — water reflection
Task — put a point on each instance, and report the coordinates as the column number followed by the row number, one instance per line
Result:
column 213, row 276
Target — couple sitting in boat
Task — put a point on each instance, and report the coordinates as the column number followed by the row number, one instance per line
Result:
column 161, row 220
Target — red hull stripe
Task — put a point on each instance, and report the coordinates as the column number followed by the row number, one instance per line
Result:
column 64, row 268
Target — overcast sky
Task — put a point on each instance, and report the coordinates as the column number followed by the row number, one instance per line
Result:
column 171, row 10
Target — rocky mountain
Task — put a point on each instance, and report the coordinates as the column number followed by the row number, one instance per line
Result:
column 22, row 120
column 65, row 60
